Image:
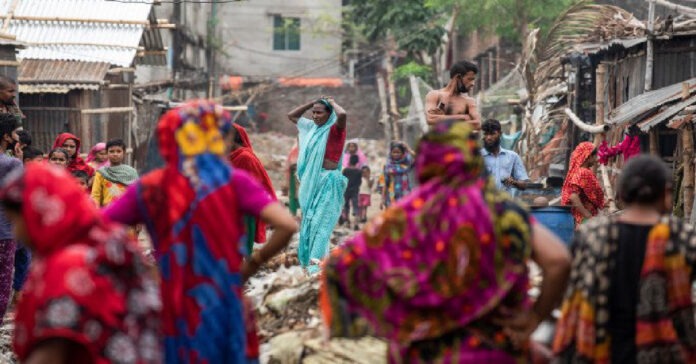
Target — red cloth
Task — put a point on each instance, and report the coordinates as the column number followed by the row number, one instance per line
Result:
column 334, row 146
column 76, row 163
column 88, row 282
column 629, row 147
column 245, row 159
column 583, row 182
column 193, row 214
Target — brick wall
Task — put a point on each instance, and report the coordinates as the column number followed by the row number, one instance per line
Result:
column 361, row 104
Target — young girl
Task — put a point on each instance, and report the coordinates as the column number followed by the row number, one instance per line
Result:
column 59, row 157
column 71, row 144
column 397, row 183
column 97, row 156
column 365, row 197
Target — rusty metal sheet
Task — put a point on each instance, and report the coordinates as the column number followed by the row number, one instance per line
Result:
column 41, row 71
column 637, row 108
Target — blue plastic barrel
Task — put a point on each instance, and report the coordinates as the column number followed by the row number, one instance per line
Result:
column 558, row 219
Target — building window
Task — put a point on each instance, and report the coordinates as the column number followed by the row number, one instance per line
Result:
column 286, row 33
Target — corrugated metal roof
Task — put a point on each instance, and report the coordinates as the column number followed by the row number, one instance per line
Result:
column 103, row 39
column 52, row 71
column 591, row 48
column 666, row 114
column 62, row 88
column 637, row 108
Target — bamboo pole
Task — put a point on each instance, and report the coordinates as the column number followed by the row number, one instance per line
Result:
column 107, row 110
column 391, row 87
column 384, row 111
column 653, row 142
column 601, row 74
column 79, row 20
column 687, row 134
column 650, row 47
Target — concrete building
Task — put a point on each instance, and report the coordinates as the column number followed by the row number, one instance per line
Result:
column 282, row 38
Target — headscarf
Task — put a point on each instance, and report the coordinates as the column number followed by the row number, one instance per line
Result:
column 88, row 282
column 76, row 162
column 362, row 159
column 91, row 157
column 583, row 181
column 192, row 213
column 244, row 158
column 437, row 263
column 397, row 174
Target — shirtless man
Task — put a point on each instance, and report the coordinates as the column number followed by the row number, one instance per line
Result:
column 453, row 101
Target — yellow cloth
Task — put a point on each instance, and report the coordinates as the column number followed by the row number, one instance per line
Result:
column 105, row 191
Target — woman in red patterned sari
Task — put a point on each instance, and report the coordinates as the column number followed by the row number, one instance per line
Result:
column 581, row 189
column 88, row 298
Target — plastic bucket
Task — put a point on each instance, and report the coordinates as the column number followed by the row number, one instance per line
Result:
column 558, row 219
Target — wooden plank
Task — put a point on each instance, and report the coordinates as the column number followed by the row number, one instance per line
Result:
column 107, row 110
column 687, row 134
column 80, row 20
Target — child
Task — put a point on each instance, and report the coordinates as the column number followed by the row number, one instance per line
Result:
column 82, row 179
column 58, row 157
column 397, row 182
column 31, row 154
column 110, row 182
column 354, row 175
column 365, row 197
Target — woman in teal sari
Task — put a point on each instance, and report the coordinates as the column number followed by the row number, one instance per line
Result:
column 321, row 183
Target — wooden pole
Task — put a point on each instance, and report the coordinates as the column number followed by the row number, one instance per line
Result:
column 601, row 74
column 687, row 134
column 650, row 47
column 384, row 111
column 393, row 107
column 653, row 142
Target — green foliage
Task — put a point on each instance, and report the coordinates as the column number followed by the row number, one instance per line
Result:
column 415, row 27
column 509, row 19
column 412, row 68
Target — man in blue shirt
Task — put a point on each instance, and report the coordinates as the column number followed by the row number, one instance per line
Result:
column 504, row 166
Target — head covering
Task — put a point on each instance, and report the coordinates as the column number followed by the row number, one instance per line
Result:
column 434, row 266
column 76, row 162
column 91, row 157
column 582, row 181
column 88, row 282
column 244, row 158
column 192, row 212
column 397, row 177
column 362, row 159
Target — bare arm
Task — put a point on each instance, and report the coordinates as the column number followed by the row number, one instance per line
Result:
column 56, row 351
column 284, row 226
column 296, row 113
column 554, row 260
column 433, row 114
column 341, row 114
column 576, row 203
column 473, row 117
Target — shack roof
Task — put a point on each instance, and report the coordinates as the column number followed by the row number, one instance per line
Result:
column 85, row 30
column 53, row 76
column 654, row 107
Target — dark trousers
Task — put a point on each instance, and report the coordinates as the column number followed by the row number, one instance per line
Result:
column 22, row 261
column 351, row 199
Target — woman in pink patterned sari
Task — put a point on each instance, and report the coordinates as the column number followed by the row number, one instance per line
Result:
column 442, row 274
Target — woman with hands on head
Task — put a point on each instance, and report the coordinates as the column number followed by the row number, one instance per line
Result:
column 322, row 184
